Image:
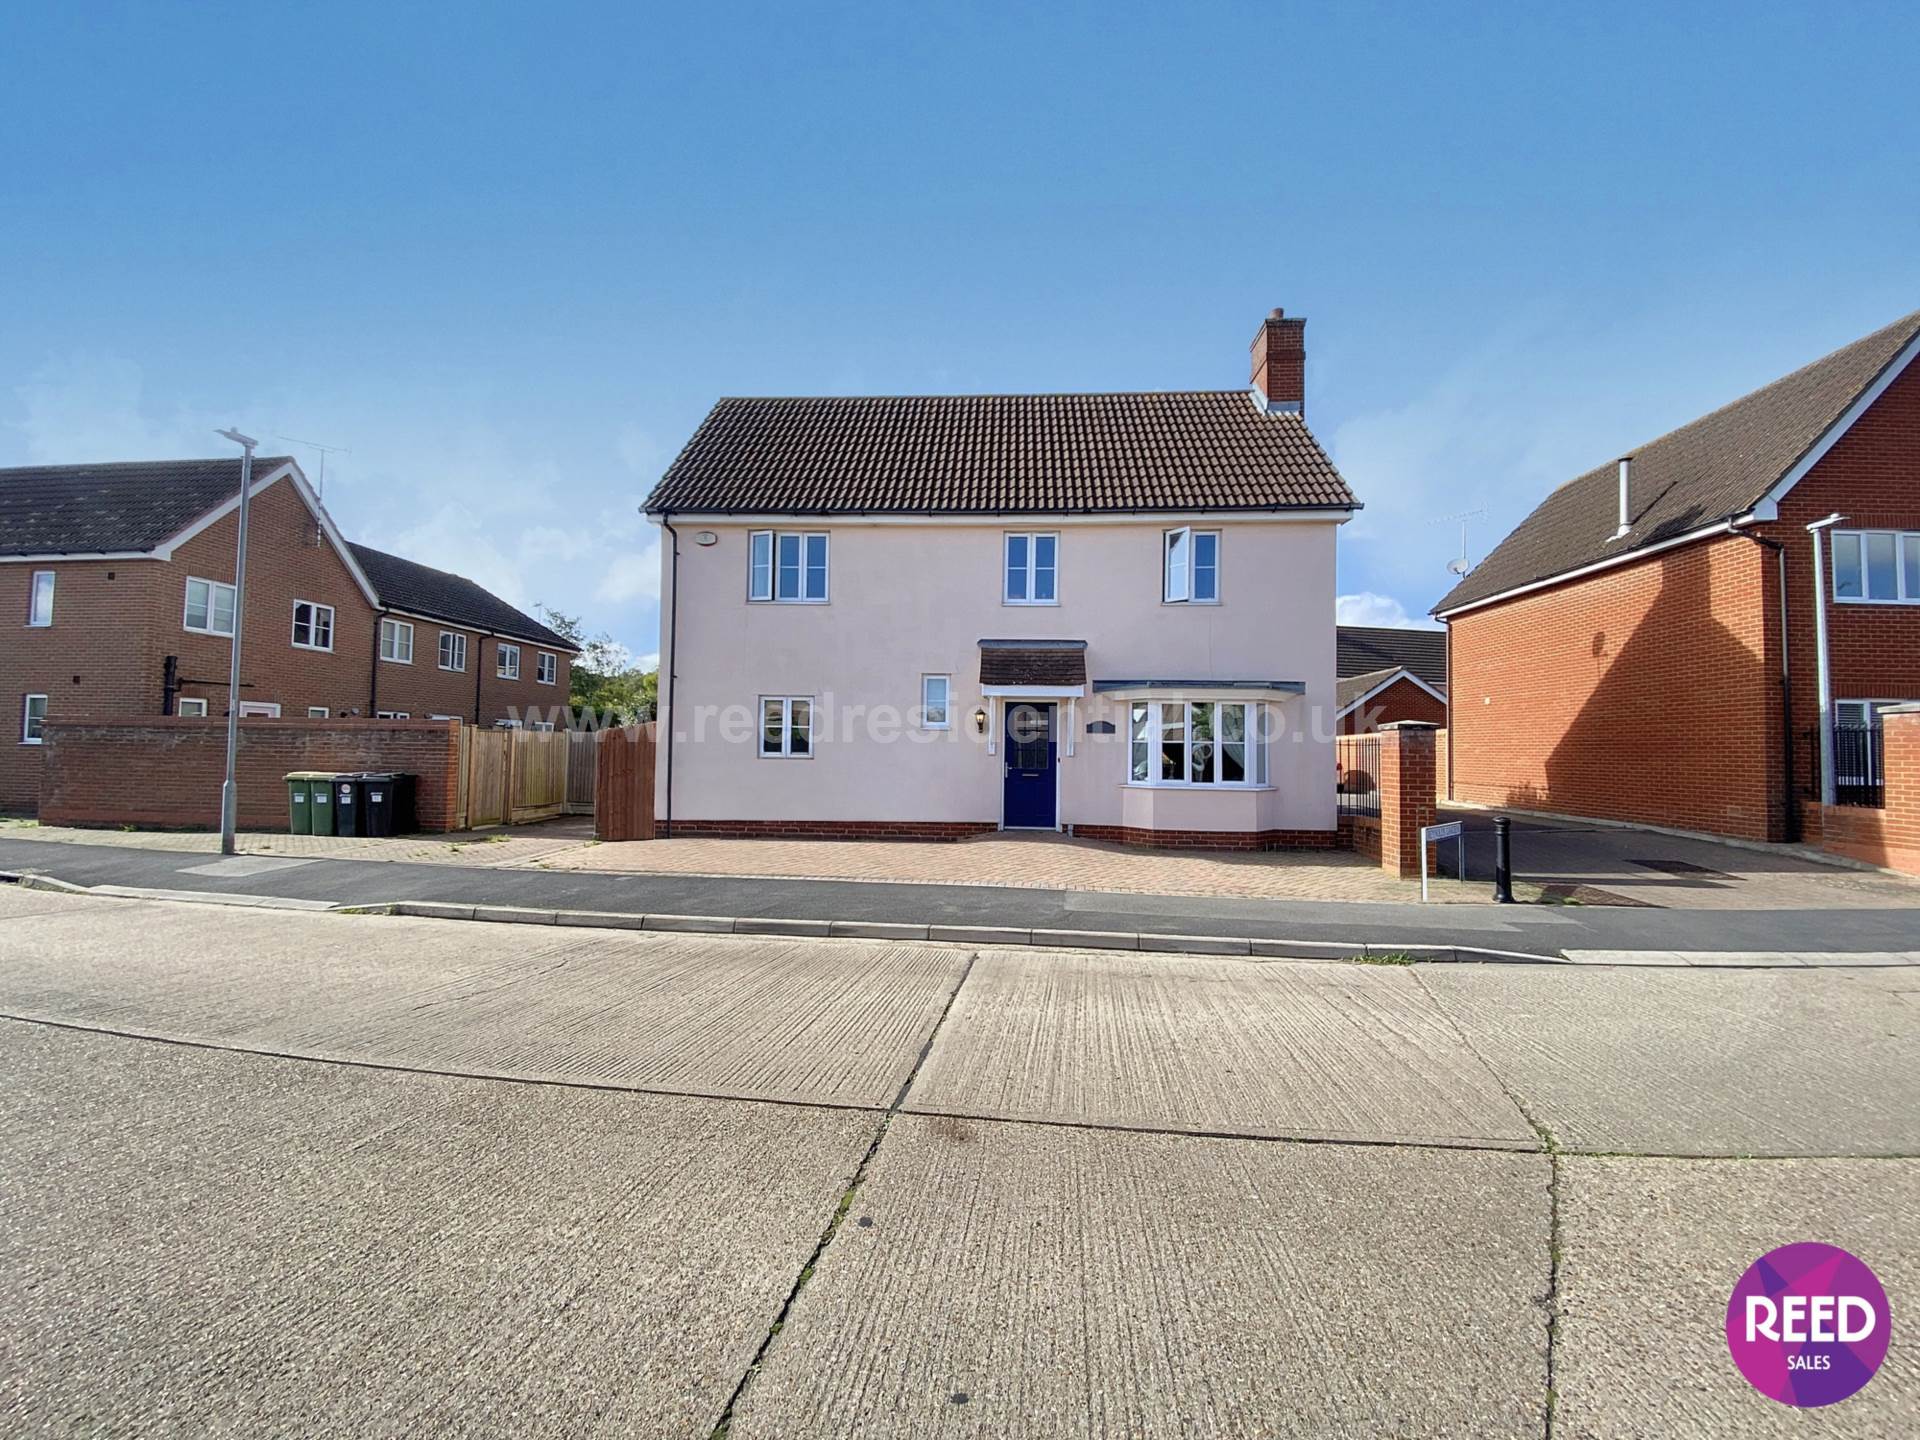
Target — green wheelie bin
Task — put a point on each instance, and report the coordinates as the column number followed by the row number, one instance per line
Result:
column 300, row 790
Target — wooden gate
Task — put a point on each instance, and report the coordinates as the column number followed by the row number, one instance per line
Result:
column 511, row 777
column 583, row 750
column 623, row 792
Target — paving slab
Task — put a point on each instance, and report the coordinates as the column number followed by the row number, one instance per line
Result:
column 1699, row 1061
column 1651, row 1250
column 202, row 1242
column 1015, row 1280
column 769, row 1018
column 1220, row 1046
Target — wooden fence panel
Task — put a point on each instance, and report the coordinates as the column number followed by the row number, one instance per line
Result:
column 537, row 774
column 623, row 789
column 488, row 758
column 583, row 752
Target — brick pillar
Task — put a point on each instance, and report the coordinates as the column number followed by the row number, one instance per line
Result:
column 1900, row 807
column 1407, row 775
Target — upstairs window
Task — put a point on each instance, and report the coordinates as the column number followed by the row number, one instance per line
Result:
column 546, row 669
column 786, row 727
column 1190, row 572
column 787, row 567
column 507, row 666
column 1032, row 570
column 453, row 650
column 312, row 626
column 209, row 607
column 1212, row 742
column 1876, row 567
column 40, row 599
column 396, row 641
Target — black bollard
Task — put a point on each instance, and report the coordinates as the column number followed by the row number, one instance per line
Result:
column 1502, row 861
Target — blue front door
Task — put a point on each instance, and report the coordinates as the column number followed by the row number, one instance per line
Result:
column 1031, row 753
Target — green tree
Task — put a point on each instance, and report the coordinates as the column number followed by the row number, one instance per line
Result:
column 604, row 678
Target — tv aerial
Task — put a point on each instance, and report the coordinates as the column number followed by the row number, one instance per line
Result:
column 1460, row 565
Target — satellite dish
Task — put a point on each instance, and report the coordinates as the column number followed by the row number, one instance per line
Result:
column 1460, row 566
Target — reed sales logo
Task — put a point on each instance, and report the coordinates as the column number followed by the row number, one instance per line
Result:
column 1808, row 1324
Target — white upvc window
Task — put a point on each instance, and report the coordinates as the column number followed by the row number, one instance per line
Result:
column 1190, row 566
column 260, row 709
column 546, row 668
column 1197, row 742
column 1876, row 567
column 312, row 626
column 506, row 662
column 1031, row 570
column 33, row 719
column 190, row 706
column 1863, row 714
column 393, row 715
column 396, row 641
column 786, row 726
column 319, row 712
column 40, row 599
column 787, row 567
column 453, row 650
column 209, row 607
column 936, row 694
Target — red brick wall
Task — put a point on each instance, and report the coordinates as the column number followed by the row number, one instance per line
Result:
column 1642, row 693
column 423, row 688
column 1279, row 360
column 1442, row 781
column 1872, row 476
column 1402, row 700
column 93, row 659
column 1406, row 795
column 168, row 772
column 1651, row 692
column 1890, row 834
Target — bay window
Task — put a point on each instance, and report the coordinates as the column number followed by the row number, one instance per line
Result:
column 1196, row 742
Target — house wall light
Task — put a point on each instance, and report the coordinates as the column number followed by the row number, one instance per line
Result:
column 979, row 722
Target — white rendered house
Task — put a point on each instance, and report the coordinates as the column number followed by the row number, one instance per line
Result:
column 1111, row 615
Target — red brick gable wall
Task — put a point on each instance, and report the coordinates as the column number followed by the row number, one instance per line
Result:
column 1639, row 693
column 1402, row 700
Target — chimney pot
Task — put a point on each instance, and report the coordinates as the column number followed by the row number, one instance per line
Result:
column 1280, row 362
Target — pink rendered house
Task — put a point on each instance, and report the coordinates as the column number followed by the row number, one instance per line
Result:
column 1110, row 615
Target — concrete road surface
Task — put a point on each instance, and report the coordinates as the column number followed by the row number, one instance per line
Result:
column 288, row 1172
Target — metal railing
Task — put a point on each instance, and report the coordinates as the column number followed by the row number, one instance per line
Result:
column 1358, row 788
column 1858, row 774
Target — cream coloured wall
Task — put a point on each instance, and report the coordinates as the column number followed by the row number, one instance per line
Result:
column 911, row 599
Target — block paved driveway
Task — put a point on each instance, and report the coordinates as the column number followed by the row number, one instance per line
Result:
column 285, row 1172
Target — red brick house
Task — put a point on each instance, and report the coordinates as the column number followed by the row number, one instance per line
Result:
column 1646, row 646
column 1387, row 674
column 119, row 583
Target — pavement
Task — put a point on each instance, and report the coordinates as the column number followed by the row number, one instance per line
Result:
column 271, row 1171
column 1890, row 927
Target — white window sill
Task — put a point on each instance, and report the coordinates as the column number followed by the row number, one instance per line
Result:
column 454, row 669
column 389, row 660
column 39, row 624
column 787, row 602
column 216, row 634
column 1031, row 604
column 1229, row 787
column 317, row 649
column 1184, row 604
column 1864, row 600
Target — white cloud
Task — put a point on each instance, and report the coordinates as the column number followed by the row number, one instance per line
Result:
column 633, row 574
column 79, row 408
column 1369, row 608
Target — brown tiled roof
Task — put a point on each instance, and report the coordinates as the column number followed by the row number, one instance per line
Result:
column 1033, row 662
column 123, row 506
column 1364, row 649
column 999, row 455
column 1718, row 467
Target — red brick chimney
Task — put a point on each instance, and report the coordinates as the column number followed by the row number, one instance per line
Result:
column 1280, row 362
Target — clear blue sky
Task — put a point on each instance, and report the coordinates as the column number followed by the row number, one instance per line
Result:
column 508, row 255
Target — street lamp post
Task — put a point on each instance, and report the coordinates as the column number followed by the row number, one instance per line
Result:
column 229, row 800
